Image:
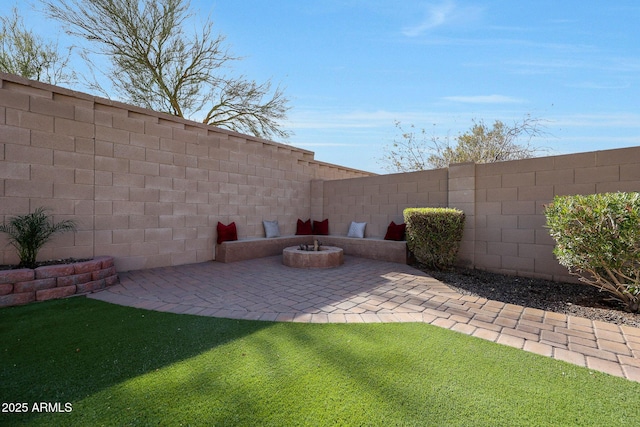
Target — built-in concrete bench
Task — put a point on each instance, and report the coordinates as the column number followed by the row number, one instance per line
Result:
column 372, row 248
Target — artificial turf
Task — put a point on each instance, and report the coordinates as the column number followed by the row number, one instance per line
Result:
column 123, row 366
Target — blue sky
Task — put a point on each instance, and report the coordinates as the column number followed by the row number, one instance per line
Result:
column 353, row 68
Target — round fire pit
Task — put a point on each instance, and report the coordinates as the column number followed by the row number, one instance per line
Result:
column 327, row 257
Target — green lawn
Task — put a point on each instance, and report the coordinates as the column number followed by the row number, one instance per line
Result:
column 123, row 366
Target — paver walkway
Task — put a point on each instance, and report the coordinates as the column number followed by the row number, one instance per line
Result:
column 364, row 291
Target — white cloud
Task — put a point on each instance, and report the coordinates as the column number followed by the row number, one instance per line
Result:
column 484, row 99
column 444, row 13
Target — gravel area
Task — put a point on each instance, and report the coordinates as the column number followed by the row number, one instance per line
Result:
column 568, row 298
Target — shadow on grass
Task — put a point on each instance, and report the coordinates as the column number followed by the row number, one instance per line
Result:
column 124, row 366
column 66, row 350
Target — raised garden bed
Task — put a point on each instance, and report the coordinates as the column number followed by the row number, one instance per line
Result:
column 25, row 285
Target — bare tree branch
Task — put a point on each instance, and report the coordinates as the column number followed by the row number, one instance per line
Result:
column 156, row 64
column 480, row 144
column 24, row 53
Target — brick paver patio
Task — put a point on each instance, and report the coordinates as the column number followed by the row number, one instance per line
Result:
column 363, row 291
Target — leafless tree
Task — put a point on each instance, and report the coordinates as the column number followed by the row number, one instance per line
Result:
column 480, row 144
column 156, row 63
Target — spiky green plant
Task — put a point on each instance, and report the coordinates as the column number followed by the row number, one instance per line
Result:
column 29, row 232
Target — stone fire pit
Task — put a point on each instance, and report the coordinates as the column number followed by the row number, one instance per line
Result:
column 326, row 257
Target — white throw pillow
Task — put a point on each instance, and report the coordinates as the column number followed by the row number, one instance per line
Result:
column 356, row 229
column 271, row 228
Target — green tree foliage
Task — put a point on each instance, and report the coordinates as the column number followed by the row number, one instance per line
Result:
column 598, row 239
column 28, row 233
column 434, row 235
column 480, row 144
column 28, row 55
column 157, row 63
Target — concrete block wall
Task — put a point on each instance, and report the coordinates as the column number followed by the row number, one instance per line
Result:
column 148, row 188
column 145, row 187
column 503, row 203
column 378, row 200
column 510, row 234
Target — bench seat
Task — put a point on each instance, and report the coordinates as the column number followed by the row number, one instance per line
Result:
column 372, row 248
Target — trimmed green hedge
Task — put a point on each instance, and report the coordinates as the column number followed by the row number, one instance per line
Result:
column 598, row 239
column 434, row 235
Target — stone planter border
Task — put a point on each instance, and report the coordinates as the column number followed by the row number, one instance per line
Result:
column 26, row 285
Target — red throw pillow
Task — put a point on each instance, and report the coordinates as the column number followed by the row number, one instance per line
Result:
column 304, row 228
column 321, row 228
column 227, row 233
column 395, row 231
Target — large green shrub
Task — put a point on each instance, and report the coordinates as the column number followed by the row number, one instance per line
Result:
column 598, row 239
column 29, row 232
column 434, row 235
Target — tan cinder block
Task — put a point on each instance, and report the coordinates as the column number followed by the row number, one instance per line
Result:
column 539, row 192
column 630, row 172
column 12, row 99
column 573, row 189
column 111, row 108
column 144, row 168
column 128, row 207
column 51, row 107
column 103, row 207
column 158, row 235
column 172, row 146
column 598, row 174
column 185, row 160
column 502, row 249
column 63, row 159
column 17, row 171
column 517, row 264
column 491, row 181
column 111, row 222
column 519, row 179
column 85, row 115
column 13, row 188
column 172, row 196
column 13, row 206
column 196, row 174
column 145, row 141
column 555, row 177
column 52, row 140
column 109, row 134
column 128, row 151
column 161, row 129
column 501, row 194
column 29, row 155
column 160, row 157
column 172, row 171
column 28, row 120
column 200, row 148
column 525, row 207
column 111, row 193
column 128, row 236
column 618, row 157
column 73, row 191
column 74, row 128
column 111, row 164
column 144, row 221
column 190, row 132
column 14, row 135
column 232, row 167
column 518, row 236
column 194, row 197
column 130, row 124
